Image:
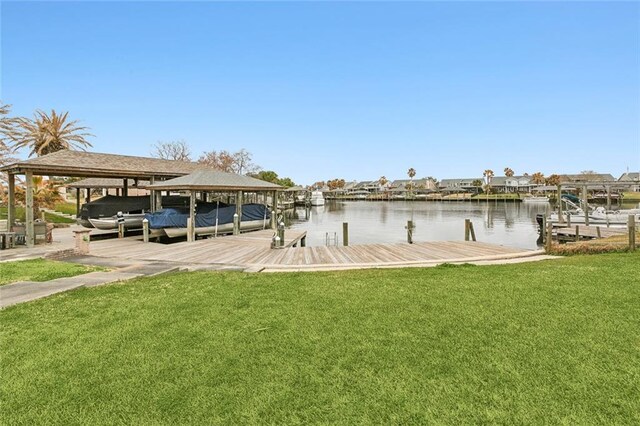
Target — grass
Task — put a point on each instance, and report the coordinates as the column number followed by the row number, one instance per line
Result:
column 20, row 216
column 68, row 208
column 543, row 342
column 40, row 270
column 496, row 197
column 631, row 196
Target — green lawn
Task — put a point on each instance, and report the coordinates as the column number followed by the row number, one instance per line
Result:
column 68, row 208
column 544, row 342
column 51, row 218
column 40, row 270
column 496, row 196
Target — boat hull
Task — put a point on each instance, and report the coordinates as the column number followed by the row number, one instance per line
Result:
column 132, row 221
column 226, row 228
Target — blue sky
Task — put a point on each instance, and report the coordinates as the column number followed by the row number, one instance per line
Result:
column 341, row 90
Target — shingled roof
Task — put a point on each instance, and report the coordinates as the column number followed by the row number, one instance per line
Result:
column 211, row 180
column 93, row 164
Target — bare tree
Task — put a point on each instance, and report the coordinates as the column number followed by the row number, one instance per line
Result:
column 174, row 150
column 238, row 162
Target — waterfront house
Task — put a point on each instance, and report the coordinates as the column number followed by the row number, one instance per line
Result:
column 631, row 178
column 460, row 185
column 512, row 184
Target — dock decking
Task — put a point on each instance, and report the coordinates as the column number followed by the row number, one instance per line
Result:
column 252, row 252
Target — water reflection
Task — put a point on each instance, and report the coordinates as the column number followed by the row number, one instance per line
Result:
column 511, row 224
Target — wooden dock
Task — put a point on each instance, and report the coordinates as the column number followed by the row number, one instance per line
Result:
column 582, row 232
column 252, row 252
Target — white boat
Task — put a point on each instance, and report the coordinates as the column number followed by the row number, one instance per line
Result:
column 317, row 199
column 535, row 199
column 597, row 216
column 131, row 221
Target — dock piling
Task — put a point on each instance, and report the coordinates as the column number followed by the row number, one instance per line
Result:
column 345, row 234
column 469, row 232
column 632, row 232
column 145, row 230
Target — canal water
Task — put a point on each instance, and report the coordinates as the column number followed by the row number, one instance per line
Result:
column 506, row 223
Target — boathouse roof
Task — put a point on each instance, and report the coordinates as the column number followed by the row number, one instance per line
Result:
column 107, row 183
column 94, row 164
column 212, row 180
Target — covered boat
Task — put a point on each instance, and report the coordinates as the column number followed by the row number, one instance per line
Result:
column 102, row 213
column 210, row 219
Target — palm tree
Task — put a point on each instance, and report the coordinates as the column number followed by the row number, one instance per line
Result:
column 508, row 172
column 553, row 180
column 411, row 172
column 488, row 175
column 46, row 133
column 9, row 133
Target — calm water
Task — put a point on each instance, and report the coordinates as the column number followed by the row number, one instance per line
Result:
column 510, row 224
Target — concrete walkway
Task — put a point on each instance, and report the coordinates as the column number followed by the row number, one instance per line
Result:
column 25, row 291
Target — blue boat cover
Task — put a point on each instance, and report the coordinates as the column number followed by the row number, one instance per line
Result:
column 206, row 214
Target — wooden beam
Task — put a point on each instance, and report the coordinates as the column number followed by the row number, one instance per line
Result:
column 125, row 187
column 31, row 236
column 11, row 210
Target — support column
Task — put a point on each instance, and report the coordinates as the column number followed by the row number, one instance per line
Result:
column 88, row 198
column 608, row 197
column 77, row 202
column 274, row 221
column 239, row 209
column 125, row 187
column 585, row 204
column 560, row 218
column 192, row 216
column 11, row 204
column 152, row 200
column 30, row 231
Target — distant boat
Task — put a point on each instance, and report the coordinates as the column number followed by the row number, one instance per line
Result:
column 535, row 199
column 317, row 199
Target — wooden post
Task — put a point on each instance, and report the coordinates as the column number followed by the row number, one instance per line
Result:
column 145, row 230
column 585, row 204
column 466, row 229
column 11, row 210
column 409, row 231
column 239, row 197
column 543, row 230
column 152, row 195
column 577, row 232
column 473, row 232
column 191, row 225
column 549, row 238
column 77, row 202
column 560, row 218
column 88, row 195
column 568, row 219
column 120, row 229
column 608, row 197
column 189, row 230
column 345, row 234
column 632, row 232
column 274, row 202
column 598, row 232
column 30, row 231
column 125, row 187
column 236, row 224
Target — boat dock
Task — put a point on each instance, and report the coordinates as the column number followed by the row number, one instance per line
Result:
column 252, row 252
column 565, row 233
